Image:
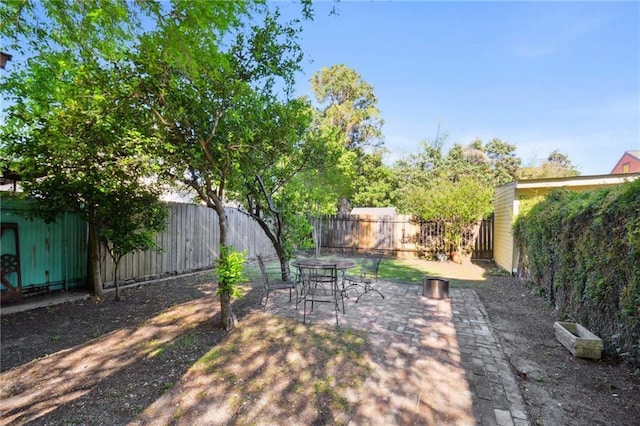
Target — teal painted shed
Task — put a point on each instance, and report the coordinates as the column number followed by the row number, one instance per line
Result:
column 39, row 257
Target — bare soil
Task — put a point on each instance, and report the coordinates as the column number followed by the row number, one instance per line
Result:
column 559, row 389
column 103, row 362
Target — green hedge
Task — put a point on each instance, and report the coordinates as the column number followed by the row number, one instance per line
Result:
column 582, row 251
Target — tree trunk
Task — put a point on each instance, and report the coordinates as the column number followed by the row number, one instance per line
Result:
column 284, row 262
column 228, row 319
column 94, row 255
column 115, row 280
column 277, row 242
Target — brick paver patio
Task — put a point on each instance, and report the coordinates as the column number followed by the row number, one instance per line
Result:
column 436, row 361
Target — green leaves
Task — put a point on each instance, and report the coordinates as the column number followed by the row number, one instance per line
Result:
column 129, row 219
column 74, row 131
column 229, row 269
column 459, row 205
column 349, row 104
column 583, row 247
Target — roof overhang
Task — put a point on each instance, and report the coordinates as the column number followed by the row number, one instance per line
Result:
column 577, row 181
column 574, row 181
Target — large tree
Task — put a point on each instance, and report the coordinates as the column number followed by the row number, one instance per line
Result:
column 215, row 87
column 347, row 105
column 69, row 129
column 502, row 159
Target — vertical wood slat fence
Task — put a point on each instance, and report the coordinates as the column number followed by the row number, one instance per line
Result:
column 400, row 235
column 483, row 246
column 189, row 243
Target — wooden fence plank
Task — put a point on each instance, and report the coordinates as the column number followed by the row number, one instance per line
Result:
column 190, row 242
column 400, row 235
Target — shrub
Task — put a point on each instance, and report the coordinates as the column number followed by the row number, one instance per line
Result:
column 229, row 269
column 582, row 250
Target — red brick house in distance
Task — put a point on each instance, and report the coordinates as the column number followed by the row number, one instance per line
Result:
column 629, row 163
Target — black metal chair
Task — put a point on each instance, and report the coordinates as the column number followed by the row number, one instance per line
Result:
column 270, row 285
column 369, row 267
column 320, row 285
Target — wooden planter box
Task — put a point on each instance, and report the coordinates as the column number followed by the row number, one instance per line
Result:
column 581, row 342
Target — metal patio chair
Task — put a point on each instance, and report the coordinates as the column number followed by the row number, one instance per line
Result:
column 320, row 285
column 369, row 267
column 269, row 284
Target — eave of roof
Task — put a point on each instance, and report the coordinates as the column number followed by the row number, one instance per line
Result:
column 576, row 181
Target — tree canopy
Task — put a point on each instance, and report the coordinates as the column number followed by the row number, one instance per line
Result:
column 349, row 104
column 556, row 165
column 348, row 110
column 148, row 91
column 70, row 131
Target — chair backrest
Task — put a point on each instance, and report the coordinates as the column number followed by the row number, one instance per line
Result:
column 263, row 271
column 323, row 275
column 370, row 266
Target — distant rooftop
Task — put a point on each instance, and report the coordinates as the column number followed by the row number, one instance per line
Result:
column 635, row 153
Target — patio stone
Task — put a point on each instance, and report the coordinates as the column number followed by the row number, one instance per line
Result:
column 457, row 369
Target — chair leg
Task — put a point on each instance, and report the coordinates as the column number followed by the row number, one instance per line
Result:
column 304, row 310
column 337, row 308
column 299, row 296
column 368, row 289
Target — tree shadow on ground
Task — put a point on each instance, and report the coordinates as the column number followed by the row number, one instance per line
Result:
column 392, row 361
column 395, row 359
column 39, row 332
column 110, row 379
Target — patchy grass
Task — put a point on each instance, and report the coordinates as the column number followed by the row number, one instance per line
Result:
column 409, row 271
column 272, row 370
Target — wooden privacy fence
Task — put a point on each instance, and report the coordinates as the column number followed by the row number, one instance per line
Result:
column 40, row 257
column 400, row 235
column 54, row 256
column 189, row 243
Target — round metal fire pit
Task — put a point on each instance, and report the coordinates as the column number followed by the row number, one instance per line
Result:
column 435, row 288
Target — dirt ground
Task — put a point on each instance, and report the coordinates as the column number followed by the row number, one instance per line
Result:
column 558, row 388
column 135, row 363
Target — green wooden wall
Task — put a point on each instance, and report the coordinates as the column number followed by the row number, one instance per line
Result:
column 53, row 256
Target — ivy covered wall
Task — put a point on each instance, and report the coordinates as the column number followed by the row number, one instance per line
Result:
column 582, row 251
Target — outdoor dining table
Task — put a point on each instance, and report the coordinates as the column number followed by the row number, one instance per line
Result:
column 340, row 265
column 314, row 263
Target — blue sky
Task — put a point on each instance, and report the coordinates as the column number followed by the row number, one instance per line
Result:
column 539, row 75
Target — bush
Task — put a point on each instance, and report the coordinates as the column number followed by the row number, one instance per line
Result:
column 230, row 271
column 582, row 250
